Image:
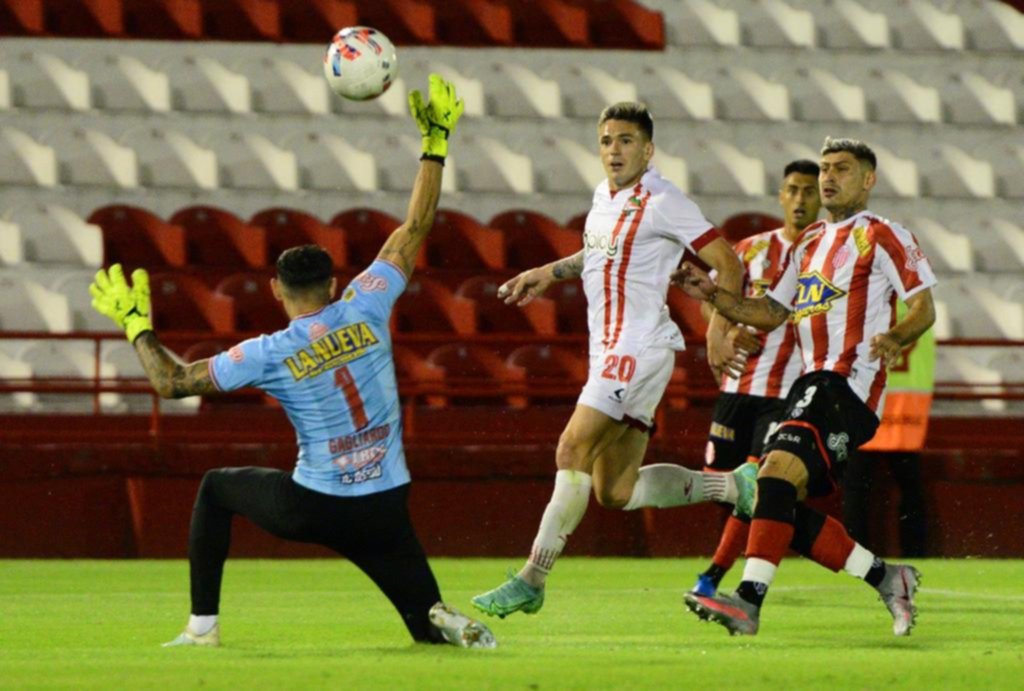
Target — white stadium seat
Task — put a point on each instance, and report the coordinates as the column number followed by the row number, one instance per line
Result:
column 26, row 305
column 469, row 88
column 74, row 285
column 951, row 172
column 673, row 168
column 489, row 165
column 952, row 364
column 587, row 89
column 563, row 165
column 895, row 97
column 699, row 22
column 169, row 158
column 283, row 86
column 666, row 89
column 993, row 26
column 68, row 359
column 972, row 99
column 58, row 235
column 514, row 89
column 897, row 177
column 20, row 401
column 821, row 96
column 721, row 168
column 123, row 82
column 774, row 23
column 977, row 311
column 920, row 25
column 122, row 356
column 12, row 243
column 746, row 95
column 849, row 24
column 5, row 90
column 999, row 243
column 947, row 251
column 200, row 83
column 330, row 162
column 42, row 80
column 252, row 161
column 25, row 161
column 91, row 157
column 392, row 103
column 396, row 156
column 943, row 327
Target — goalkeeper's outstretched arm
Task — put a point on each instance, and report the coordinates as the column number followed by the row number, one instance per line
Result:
column 171, row 377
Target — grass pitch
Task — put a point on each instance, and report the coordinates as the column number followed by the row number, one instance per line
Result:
column 607, row 624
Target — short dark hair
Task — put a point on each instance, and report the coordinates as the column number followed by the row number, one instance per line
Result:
column 304, row 267
column 630, row 111
column 860, row 150
column 803, row 166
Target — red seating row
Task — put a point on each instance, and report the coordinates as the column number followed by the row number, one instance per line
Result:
column 548, row 23
column 211, row 237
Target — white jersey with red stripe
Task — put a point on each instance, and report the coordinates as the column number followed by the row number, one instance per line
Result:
column 841, row 281
column 773, row 369
column 633, row 241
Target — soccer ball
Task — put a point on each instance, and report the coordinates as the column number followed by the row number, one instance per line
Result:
column 360, row 63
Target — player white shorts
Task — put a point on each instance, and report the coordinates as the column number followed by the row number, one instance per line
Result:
column 628, row 381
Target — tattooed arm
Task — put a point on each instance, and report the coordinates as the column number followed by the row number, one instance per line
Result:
column 404, row 243
column 168, row 374
column 530, row 284
column 763, row 313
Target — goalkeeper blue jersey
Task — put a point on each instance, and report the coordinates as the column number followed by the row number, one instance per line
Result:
column 333, row 372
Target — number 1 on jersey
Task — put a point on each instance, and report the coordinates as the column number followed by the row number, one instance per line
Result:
column 344, row 381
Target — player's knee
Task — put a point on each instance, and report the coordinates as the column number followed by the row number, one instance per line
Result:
column 614, row 497
column 572, row 452
column 211, row 481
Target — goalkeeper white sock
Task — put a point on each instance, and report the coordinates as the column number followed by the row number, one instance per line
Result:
column 565, row 510
column 200, row 625
column 664, row 485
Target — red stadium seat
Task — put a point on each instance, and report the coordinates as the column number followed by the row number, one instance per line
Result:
column 570, row 306
column 242, row 20
column 471, row 373
column 290, row 228
column 85, row 18
column 22, row 17
column 366, row 230
column 494, row 316
column 474, row 23
column 739, row 226
column 533, row 239
column 404, row 21
column 685, row 311
column 549, row 23
column 183, row 303
column 578, row 222
column 219, row 238
column 623, row 24
column 545, row 372
column 458, row 241
column 256, row 309
column 427, row 306
column 315, row 21
column 166, row 19
column 135, row 237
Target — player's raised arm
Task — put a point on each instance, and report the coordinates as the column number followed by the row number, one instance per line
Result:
column 436, row 121
column 128, row 306
column 521, row 289
column 918, row 319
column 762, row 313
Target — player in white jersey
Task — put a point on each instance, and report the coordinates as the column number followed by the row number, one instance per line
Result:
column 332, row 371
column 635, row 235
column 752, row 399
column 840, row 283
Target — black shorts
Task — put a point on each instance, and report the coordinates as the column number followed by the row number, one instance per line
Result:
column 823, row 423
column 740, row 425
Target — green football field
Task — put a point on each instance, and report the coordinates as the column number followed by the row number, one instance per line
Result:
column 607, row 624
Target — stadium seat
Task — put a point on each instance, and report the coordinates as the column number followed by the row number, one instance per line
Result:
column 533, row 239
column 894, row 96
column 408, row 21
column 25, row 161
column 570, row 306
column 743, row 225
column 999, row 244
column 19, row 401
column 474, row 23
column 487, row 164
column 314, row 21
column 396, row 171
column 200, row 83
column 993, row 26
column 166, row 19
column 469, row 88
column 184, row 303
column 775, row 24
column 471, row 373
column 58, row 235
column 69, row 360
column 821, row 96
column 366, row 230
column 549, row 23
column 12, row 244
column 494, row 316
column 977, row 311
column 5, row 90
column 666, row 89
column 546, row 373
column 283, row 86
column 248, row 160
column 27, row 305
column 623, row 25
column 135, row 237
column 578, row 222
column 458, row 241
column 427, row 306
column 721, row 168
column 744, row 94
column 415, row 374
column 92, row 157
column 699, row 22
column 256, row 309
column 920, row 25
column 946, row 251
column 23, row 17
column 949, row 171
column 516, row 90
column 954, row 365
column 241, row 20
column 897, row 177
column 685, row 312
column 123, row 82
column 43, row 80
column 290, row 228
column 74, row 285
column 215, row 237
column 329, row 162
column 169, row 158
column 588, row 89
column 849, row 24
column 1007, row 160
column 973, row 99
column 565, row 166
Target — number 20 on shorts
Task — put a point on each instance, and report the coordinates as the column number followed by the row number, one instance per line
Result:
column 619, row 368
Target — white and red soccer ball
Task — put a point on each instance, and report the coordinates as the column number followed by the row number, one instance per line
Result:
column 360, row 63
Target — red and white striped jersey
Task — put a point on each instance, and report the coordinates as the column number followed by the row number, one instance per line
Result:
column 632, row 242
column 841, row 280
column 772, row 370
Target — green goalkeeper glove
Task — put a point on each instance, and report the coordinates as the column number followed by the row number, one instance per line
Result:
column 436, row 119
column 128, row 306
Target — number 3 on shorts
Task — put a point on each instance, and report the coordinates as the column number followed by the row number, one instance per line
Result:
column 808, row 395
column 619, row 368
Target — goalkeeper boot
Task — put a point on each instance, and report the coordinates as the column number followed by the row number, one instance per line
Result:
column 897, row 592
column 746, row 489
column 209, row 639
column 460, row 630
column 514, row 595
column 731, row 611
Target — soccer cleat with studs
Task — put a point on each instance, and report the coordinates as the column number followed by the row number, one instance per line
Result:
column 460, row 630
column 897, row 591
column 731, row 611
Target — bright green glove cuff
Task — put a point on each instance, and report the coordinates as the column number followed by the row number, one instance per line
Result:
column 138, row 319
column 435, row 144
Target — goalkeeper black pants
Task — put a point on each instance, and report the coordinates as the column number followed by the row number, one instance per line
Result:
column 373, row 531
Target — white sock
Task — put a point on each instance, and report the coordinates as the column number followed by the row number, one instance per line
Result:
column 859, row 562
column 720, row 487
column 565, row 510
column 200, row 625
column 759, row 571
column 664, row 485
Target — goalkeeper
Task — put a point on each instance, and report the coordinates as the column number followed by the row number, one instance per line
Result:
column 332, row 371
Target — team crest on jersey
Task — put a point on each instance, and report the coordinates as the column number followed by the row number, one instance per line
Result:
column 841, row 256
column 348, row 295
column 860, row 238
column 635, row 204
column 914, row 257
column 815, row 294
